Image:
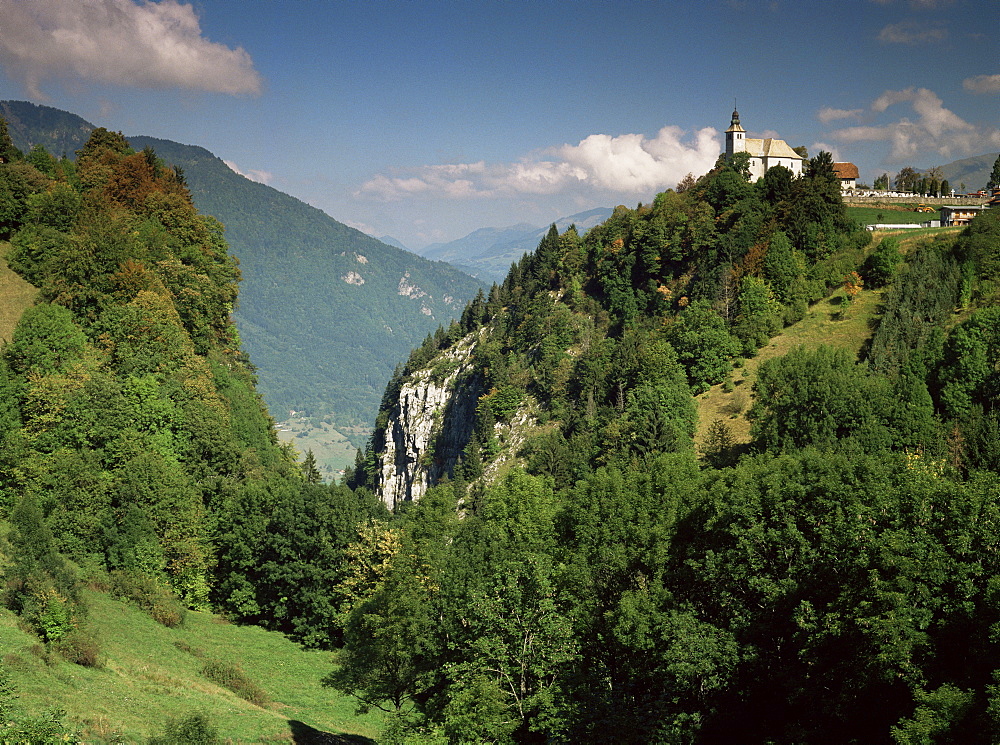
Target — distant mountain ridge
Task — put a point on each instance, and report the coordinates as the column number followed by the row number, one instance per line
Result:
column 974, row 172
column 487, row 253
column 60, row 132
column 325, row 311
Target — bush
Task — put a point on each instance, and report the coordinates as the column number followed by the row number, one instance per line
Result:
column 232, row 676
column 880, row 266
column 194, row 729
column 150, row 595
column 79, row 647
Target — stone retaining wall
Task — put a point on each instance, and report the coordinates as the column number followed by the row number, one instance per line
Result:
column 914, row 199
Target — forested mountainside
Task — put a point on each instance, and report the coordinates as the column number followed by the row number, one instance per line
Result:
column 560, row 563
column 568, row 568
column 135, row 452
column 325, row 311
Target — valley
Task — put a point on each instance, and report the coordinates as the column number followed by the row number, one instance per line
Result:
column 628, row 489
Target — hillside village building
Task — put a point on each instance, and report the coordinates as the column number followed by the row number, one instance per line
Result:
column 960, row 215
column 764, row 153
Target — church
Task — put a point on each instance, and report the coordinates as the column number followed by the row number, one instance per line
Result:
column 764, row 154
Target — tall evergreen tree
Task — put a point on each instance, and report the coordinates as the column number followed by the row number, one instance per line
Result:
column 994, row 182
column 8, row 152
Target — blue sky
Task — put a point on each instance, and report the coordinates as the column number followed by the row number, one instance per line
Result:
column 426, row 120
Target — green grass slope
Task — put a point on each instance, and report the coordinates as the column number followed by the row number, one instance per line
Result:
column 831, row 321
column 15, row 296
column 149, row 674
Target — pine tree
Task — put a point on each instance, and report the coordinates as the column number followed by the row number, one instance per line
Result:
column 8, row 152
column 994, row 182
column 309, row 470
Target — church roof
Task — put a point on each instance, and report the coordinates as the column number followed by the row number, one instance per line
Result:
column 845, row 170
column 770, row 148
column 734, row 124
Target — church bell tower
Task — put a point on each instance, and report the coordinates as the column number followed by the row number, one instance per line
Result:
column 735, row 136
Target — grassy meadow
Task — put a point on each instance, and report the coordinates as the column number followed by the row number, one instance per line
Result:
column 331, row 448
column 15, row 295
column 148, row 674
column 832, row 321
column 889, row 214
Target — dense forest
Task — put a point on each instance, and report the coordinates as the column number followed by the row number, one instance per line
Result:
column 580, row 571
column 582, row 574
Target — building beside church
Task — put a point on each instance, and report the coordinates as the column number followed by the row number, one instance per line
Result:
column 764, row 153
column 847, row 175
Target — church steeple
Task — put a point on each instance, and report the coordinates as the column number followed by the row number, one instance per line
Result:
column 735, row 136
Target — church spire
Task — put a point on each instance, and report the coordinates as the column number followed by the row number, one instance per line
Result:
column 735, row 135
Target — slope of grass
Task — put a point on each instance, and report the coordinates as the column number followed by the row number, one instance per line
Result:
column 831, row 321
column 889, row 213
column 15, row 295
column 332, row 449
column 149, row 673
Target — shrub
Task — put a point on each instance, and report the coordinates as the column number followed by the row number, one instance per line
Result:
column 232, row 676
column 194, row 729
column 880, row 266
column 79, row 647
column 150, row 595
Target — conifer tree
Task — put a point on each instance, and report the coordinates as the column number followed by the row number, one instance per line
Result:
column 8, row 152
column 309, row 470
column 994, row 182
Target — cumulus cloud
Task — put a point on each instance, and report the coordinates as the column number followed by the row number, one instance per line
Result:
column 935, row 129
column 629, row 163
column 146, row 44
column 261, row 177
column 982, row 84
column 818, row 147
column 912, row 32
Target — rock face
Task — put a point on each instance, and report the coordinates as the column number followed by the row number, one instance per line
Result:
column 429, row 426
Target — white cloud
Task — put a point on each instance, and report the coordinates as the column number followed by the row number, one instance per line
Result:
column 146, row 45
column 829, row 114
column 629, row 163
column 934, row 130
column 912, row 32
column 818, row 147
column 982, row 84
column 261, row 177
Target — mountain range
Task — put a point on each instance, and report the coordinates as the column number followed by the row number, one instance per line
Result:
column 974, row 172
column 487, row 253
column 325, row 311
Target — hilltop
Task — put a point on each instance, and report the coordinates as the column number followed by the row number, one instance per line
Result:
column 727, row 471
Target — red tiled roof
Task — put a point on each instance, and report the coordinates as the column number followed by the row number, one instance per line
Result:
column 845, row 170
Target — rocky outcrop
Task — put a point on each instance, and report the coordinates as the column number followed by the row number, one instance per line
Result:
column 429, row 425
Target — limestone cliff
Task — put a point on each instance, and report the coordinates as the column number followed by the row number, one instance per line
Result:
column 428, row 425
